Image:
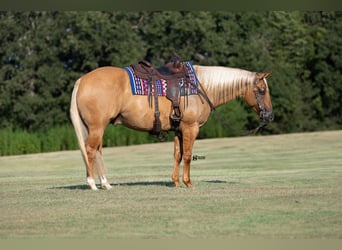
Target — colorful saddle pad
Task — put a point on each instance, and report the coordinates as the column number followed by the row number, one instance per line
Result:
column 141, row 86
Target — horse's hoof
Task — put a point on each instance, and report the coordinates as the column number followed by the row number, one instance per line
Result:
column 91, row 183
column 106, row 186
column 177, row 184
column 94, row 188
column 188, row 184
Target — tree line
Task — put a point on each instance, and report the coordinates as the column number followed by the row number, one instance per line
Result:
column 43, row 53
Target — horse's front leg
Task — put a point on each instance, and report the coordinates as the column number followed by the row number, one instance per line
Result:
column 189, row 136
column 177, row 154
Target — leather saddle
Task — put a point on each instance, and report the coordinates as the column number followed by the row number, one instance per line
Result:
column 173, row 72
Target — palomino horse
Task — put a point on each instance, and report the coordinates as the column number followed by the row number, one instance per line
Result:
column 104, row 96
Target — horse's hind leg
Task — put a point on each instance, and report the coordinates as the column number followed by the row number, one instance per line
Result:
column 99, row 167
column 92, row 146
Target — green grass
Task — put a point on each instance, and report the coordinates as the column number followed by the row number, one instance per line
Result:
column 264, row 187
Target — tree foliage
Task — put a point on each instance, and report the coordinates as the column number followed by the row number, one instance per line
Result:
column 43, row 53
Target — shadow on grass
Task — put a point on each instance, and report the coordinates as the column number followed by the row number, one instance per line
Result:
column 139, row 183
column 147, row 183
column 216, row 181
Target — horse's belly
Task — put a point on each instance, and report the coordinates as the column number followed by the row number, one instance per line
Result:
column 138, row 114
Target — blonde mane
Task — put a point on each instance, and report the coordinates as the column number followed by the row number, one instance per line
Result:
column 224, row 83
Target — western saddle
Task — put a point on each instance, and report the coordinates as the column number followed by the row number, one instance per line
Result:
column 173, row 72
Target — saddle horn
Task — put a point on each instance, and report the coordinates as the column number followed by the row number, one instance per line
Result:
column 176, row 60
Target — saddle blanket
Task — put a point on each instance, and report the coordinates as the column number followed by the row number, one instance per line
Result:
column 141, row 86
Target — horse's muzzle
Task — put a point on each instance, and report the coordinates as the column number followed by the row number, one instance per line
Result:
column 266, row 116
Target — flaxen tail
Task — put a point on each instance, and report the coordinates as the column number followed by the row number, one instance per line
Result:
column 79, row 126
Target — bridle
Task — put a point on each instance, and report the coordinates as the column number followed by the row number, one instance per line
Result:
column 259, row 96
column 260, row 104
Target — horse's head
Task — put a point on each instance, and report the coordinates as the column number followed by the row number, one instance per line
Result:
column 258, row 97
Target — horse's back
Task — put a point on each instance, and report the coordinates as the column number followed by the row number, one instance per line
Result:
column 104, row 76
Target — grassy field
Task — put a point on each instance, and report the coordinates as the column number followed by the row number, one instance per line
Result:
column 263, row 187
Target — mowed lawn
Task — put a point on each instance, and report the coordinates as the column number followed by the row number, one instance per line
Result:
column 264, row 187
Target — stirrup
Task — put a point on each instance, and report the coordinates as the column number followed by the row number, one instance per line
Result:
column 177, row 115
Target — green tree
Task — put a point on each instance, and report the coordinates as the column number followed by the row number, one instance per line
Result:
column 39, row 67
column 325, row 68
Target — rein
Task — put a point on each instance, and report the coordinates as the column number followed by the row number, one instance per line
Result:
column 243, row 132
column 203, row 93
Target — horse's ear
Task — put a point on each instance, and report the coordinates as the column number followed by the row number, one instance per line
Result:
column 267, row 74
column 263, row 75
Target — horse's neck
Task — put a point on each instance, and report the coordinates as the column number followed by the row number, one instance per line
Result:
column 223, row 84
